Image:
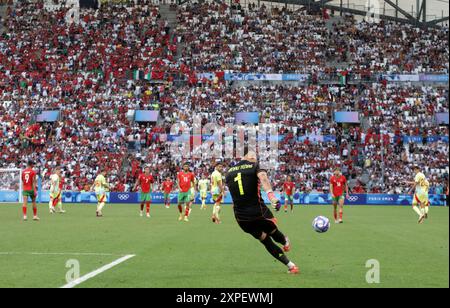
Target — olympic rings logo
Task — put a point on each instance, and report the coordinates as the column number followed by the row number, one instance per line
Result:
column 123, row 197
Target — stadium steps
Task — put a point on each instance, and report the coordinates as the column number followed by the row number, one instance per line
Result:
column 3, row 9
column 170, row 14
column 330, row 27
column 332, row 21
column 167, row 13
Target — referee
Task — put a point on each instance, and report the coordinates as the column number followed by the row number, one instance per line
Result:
column 244, row 181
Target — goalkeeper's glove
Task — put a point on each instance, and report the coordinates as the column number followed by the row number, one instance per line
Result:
column 276, row 204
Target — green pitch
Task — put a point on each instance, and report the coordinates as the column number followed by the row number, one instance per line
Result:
column 169, row 253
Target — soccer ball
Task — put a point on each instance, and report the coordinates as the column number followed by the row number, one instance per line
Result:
column 321, row 224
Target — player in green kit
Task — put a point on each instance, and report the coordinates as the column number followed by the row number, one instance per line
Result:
column 145, row 181
column 186, row 180
column 167, row 187
column 29, row 182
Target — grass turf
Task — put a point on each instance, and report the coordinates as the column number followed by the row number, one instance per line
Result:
column 200, row 254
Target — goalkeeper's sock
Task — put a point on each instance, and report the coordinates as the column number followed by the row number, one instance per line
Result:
column 275, row 251
column 417, row 210
column 279, row 237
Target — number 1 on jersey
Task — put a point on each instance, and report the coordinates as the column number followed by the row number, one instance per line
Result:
column 241, row 186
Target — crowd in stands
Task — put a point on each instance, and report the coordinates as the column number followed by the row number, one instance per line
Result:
column 217, row 37
column 86, row 69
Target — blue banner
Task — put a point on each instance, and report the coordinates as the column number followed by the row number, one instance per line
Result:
column 434, row 78
column 76, row 197
column 9, row 196
column 413, row 139
column 416, row 78
column 265, row 77
column 295, row 77
column 317, row 138
column 419, row 139
column 299, row 198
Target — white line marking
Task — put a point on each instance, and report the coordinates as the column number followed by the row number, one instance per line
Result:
column 96, row 272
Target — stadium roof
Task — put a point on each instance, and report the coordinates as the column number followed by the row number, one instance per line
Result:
column 423, row 13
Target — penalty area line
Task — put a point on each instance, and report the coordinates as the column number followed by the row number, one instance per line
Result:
column 97, row 272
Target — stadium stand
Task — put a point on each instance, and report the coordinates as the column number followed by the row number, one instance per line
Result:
column 128, row 56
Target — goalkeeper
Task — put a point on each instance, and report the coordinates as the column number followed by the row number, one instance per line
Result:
column 253, row 216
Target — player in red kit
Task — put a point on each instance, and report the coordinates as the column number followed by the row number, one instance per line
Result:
column 338, row 185
column 167, row 187
column 145, row 181
column 29, row 190
column 186, row 180
column 289, row 189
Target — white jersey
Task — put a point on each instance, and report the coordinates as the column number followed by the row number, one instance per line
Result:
column 55, row 180
column 203, row 185
column 422, row 184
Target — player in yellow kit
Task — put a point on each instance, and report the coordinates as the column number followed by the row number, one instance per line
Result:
column 55, row 192
column 100, row 187
column 217, row 190
column 421, row 202
column 203, row 186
